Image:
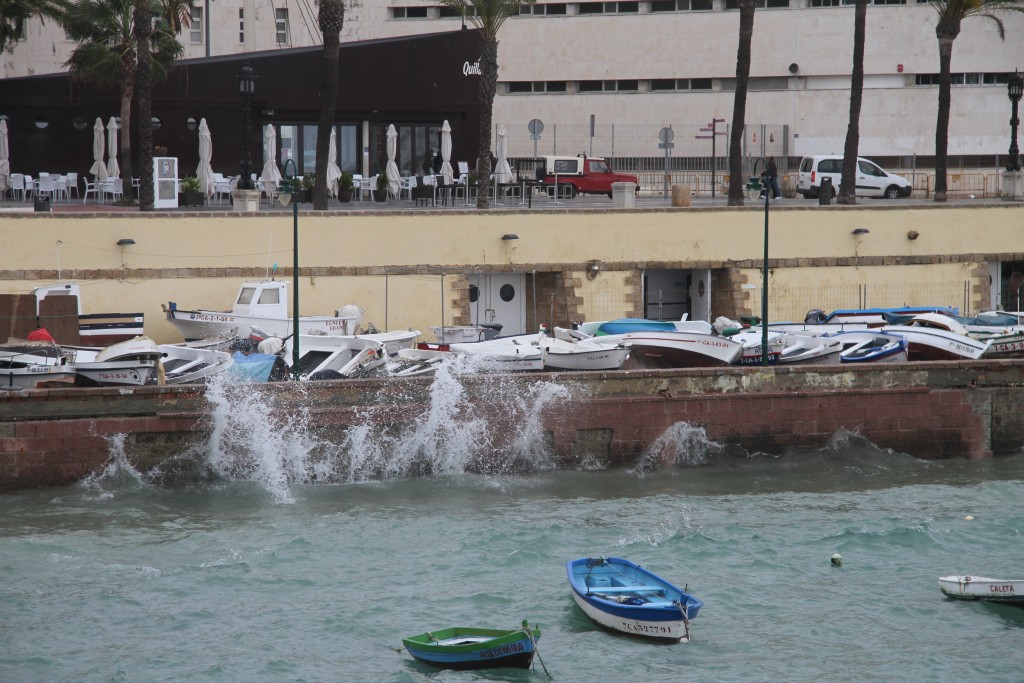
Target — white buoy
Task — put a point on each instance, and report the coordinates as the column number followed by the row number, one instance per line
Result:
column 969, row 517
column 837, row 560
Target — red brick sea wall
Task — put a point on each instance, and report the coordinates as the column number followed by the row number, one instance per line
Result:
column 55, row 437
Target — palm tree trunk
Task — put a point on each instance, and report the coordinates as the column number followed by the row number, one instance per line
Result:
column 488, row 88
column 331, row 19
column 739, row 108
column 125, row 143
column 848, row 186
column 143, row 30
column 946, row 35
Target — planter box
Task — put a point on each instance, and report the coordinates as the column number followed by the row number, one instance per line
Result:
column 191, row 199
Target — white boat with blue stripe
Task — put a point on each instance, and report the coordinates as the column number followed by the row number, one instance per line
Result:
column 622, row 596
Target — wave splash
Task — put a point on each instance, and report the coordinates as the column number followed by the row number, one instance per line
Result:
column 251, row 440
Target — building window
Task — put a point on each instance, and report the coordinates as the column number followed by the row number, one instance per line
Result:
column 963, row 79
column 673, row 84
column 281, row 22
column 521, row 87
column 241, row 25
column 761, row 4
column 542, row 9
column 195, row 25
column 408, row 12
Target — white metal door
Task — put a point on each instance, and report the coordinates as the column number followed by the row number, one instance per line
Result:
column 499, row 298
column 700, row 295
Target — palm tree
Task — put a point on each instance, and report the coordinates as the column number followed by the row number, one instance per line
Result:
column 739, row 107
column 487, row 16
column 14, row 14
column 172, row 14
column 107, row 53
column 951, row 14
column 848, row 185
column 331, row 19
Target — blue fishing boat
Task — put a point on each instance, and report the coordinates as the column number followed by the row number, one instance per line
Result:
column 475, row 648
column 624, row 597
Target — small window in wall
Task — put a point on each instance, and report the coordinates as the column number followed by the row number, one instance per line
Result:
column 241, row 25
column 590, row 86
column 448, row 13
column 281, row 23
column 625, row 7
column 520, row 86
column 409, row 12
column 590, row 8
column 195, row 25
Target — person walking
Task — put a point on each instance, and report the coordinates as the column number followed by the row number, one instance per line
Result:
column 772, row 173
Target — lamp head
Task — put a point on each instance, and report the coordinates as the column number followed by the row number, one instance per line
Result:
column 509, row 236
column 125, row 242
column 247, row 76
column 1015, row 86
column 861, row 231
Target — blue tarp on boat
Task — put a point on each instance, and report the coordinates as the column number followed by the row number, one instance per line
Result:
column 254, row 367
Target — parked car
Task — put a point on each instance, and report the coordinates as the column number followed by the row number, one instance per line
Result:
column 872, row 179
column 582, row 175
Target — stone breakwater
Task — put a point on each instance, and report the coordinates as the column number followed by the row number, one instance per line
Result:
column 55, row 437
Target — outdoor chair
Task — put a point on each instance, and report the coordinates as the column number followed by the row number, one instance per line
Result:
column 92, row 188
column 72, row 184
column 18, row 185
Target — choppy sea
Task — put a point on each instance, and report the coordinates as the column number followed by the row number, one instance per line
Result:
column 257, row 567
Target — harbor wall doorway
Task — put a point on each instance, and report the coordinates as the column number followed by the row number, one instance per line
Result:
column 671, row 294
column 498, row 298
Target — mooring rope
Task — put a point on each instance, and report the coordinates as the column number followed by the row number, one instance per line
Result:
column 536, row 650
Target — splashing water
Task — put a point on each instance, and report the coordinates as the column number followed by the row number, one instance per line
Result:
column 117, row 471
column 680, row 444
column 251, row 440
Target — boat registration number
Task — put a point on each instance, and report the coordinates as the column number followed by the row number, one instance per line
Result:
column 211, row 318
column 1008, row 588
column 637, row 627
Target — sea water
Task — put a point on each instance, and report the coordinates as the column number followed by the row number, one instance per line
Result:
column 281, row 558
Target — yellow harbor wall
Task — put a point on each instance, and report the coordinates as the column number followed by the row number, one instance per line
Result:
column 392, row 263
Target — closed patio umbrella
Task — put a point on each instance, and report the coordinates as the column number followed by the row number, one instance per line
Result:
column 270, row 172
column 204, row 172
column 99, row 169
column 502, row 171
column 5, row 158
column 394, row 175
column 333, row 172
column 446, row 153
column 113, row 169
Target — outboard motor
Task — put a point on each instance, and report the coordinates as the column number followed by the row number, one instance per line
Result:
column 815, row 316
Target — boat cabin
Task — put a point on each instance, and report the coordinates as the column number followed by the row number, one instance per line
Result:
column 266, row 299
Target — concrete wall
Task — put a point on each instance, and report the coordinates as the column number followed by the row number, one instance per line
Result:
column 930, row 410
column 391, row 263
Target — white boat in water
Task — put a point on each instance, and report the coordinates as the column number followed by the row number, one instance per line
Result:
column 933, row 336
column 262, row 305
column 582, row 355
column 27, row 364
column 335, row 356
column 981, row 588
column 872, row 346
column 129, row 363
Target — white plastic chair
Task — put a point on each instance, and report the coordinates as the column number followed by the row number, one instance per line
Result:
column 357, row 185
column 72, row 184
column 114, row 187
column 18, row 185
column 92, row 188
column 407, row 186
column 30, row 187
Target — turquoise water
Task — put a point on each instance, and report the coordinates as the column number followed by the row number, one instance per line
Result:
column 246, row 569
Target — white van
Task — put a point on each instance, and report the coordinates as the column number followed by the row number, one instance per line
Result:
column 872, row 180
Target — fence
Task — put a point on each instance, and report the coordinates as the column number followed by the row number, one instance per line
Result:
column 788, row 303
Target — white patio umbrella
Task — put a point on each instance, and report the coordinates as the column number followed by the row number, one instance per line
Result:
column 270, row 171
column 502, row 171
column 394, row 175
column 446, row 153
column 113, row 169
column 99, row 169
column 333, row 172
column 5, row 158
column 204, row 172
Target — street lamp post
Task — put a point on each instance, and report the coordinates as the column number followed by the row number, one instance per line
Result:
column 1015, row 87
column 764, row 284
column 285, row 196
column 247, row 88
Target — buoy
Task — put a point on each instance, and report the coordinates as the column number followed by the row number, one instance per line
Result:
column 969, row 517
column 837, row 560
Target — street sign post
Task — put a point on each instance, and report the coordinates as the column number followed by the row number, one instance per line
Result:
column 536, row 127
column 713, row 134
column 665, row 137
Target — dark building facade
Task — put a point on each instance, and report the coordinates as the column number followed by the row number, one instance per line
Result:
column 415, row 83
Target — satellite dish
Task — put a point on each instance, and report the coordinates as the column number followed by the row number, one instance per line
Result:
column 1017, row 279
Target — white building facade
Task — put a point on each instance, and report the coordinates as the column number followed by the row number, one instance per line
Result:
column 606, row 77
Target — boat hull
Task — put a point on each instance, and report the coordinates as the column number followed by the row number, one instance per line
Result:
column 981, row 588
column 195, row 325
column 932, row 344
column 465, row 648
column 680, row 350
column 621, row 596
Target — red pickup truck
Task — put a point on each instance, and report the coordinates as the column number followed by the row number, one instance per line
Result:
column 582, row 174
